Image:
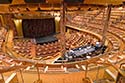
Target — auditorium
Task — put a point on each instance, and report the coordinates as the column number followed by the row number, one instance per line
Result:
column 62, row 41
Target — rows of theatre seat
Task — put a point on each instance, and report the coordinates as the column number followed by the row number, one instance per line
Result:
column 78, row 39
column 81, row 19
column 22, row 47
column 48, row 49
column 115, row 33
column 5, row 60
column 3, row 33
column 25, row 47
column 75, row 39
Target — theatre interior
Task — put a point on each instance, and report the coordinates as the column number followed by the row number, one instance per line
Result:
column 62, row 41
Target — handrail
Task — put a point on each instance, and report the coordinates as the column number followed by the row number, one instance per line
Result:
column 97, row 35
column 121, row 65
column 37, row 64
column 67, row 63
column 71, row 63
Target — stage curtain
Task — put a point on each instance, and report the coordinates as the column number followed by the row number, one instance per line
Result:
column 35, row 28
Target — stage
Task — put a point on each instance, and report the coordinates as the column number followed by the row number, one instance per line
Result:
column 46, row 39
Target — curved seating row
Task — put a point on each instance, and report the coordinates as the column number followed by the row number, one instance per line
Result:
column 115, row 32
column 76, row 39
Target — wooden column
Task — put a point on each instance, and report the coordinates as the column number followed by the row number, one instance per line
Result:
column 21, row 74
column 86, row 71
column 106, row 25
column 38, row 72
column 62, row 27
column 103, row 17
column 2, row 77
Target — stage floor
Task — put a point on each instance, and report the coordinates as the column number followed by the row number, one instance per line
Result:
column 47, row 39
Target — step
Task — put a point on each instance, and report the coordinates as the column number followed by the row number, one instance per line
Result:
column 109, row 75
column 103, row 81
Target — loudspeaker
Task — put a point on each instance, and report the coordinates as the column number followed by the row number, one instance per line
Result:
column 5, row 1
column 73, row 1
column 35, row 1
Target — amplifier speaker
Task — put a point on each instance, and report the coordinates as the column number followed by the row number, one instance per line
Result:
column 5, row 1
column 35, row 1
column 73, row 1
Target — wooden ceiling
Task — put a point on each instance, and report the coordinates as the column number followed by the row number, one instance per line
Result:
column 100, row 2
column 20, row 6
